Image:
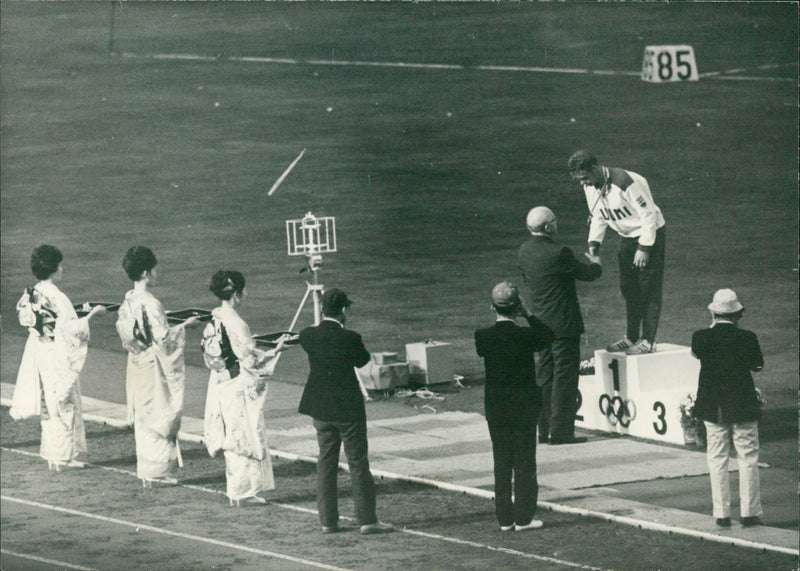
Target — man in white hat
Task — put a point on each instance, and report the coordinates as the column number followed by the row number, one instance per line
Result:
column 550, row 271
column 728, row 405
column 621, row 200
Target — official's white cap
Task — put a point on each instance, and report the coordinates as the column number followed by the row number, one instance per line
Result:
column 538, row 217
column 725, row 301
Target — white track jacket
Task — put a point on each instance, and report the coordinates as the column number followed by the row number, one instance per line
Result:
column 626, row 204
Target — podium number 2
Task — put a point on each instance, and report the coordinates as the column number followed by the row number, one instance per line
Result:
column 661, row 411
column 683, row 64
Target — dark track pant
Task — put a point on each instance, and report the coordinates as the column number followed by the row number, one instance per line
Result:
column 514, row 450
column 642, row 288
column 558, row 370
column 330, row 437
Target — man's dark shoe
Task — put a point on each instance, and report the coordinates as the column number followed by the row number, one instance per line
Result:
column 723, row 522
column 751, row 521
column 571, row 440
column 330, row 529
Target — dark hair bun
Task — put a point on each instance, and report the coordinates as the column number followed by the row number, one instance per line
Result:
column 45, row 260
column 138, row 260
column 225, row 283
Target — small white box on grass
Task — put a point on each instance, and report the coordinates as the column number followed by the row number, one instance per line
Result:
column 430, row 362
column 384, row 358
column 383, row 377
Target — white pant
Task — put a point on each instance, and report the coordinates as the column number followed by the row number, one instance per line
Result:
column 745, row 441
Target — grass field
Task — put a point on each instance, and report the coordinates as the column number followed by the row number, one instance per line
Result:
column 428, row 171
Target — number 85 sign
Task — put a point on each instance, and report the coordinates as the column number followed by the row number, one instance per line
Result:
column 669, row 63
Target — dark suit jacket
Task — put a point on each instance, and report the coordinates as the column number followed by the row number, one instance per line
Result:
column 507, row 350
column 727, row 355
column 550, row 271
column 332, row 392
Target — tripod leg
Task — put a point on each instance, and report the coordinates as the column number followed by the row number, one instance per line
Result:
column 299, row 309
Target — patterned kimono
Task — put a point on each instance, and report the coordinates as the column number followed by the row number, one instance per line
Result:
column 234, row 414
column 48, row 378
column 155, row 382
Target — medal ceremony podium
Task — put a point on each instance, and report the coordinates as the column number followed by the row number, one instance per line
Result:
column 638, row 395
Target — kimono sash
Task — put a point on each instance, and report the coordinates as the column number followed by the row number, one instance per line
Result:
column 53, row 357
column 135, row 329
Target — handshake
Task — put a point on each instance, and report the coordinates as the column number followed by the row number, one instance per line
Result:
column 592, row 254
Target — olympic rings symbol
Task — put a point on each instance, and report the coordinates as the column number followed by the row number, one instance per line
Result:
column 617, row 410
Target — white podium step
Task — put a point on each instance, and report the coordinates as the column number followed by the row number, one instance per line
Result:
column 639, row 395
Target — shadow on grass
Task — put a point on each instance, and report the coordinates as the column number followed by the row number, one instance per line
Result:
column 449, row 520
column 295, row 469
column 204, row 480
column 309, row 496
column 121, row 461
column 23, row 445
column 108, row 432
column 778, row 424
column 195, row 453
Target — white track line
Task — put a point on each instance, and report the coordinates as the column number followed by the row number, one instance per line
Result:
column 141, row 526
column 309, row 511
column 445, row 66
column 730, row 74
column 753, row 78
column 60, row 564
column 384, row 64
column 499, row 549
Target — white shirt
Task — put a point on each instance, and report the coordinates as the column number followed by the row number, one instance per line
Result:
column 629, row 211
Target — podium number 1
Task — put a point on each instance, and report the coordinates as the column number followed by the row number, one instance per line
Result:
column 614, row 366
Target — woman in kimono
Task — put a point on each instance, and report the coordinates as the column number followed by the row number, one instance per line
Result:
column 156, row 371
column 48, row 379
column 237, row 393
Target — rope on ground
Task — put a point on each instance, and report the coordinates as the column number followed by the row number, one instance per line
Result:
column 422, row 393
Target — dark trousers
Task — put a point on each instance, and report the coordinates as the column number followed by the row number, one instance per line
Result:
column 514, row 450
column 558, row 371
column 642, row 287
column 330, row 436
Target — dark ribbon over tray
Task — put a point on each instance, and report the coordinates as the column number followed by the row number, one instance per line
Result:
column 271, row 339
column 181, row 315
column 83, row 309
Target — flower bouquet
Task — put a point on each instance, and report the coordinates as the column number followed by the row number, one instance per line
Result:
column 694, row 431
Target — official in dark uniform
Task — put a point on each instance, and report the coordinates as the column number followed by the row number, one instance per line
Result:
column 332, row 397
column 550, row 271
column 512, row 401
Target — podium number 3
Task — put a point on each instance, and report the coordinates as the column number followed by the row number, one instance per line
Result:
column 682, row 62
column 661, row 411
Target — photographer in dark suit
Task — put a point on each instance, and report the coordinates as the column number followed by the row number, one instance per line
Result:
column 513, row 400
column 332, row 397
column 550, row 271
